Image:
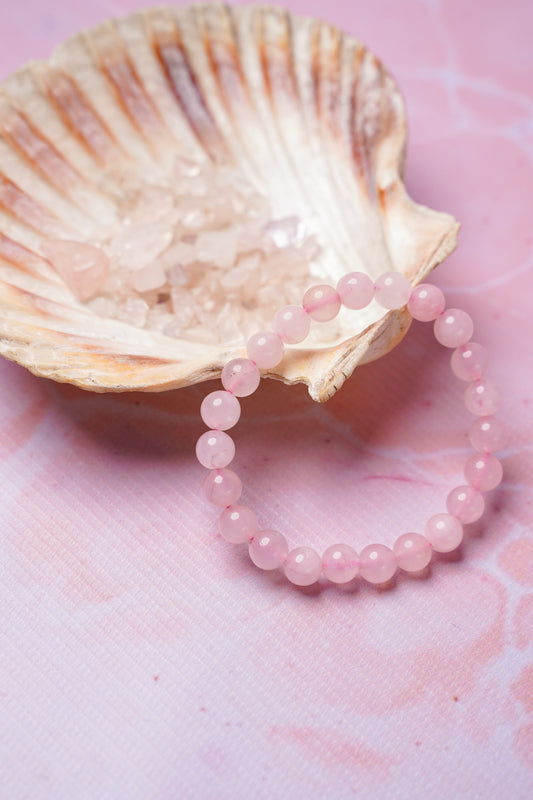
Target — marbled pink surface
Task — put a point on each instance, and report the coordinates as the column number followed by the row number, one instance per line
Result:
column 142, row 657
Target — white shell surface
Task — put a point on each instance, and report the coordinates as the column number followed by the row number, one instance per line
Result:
column 304, row 113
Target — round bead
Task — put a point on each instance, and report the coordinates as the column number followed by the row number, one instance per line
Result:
column 215, row 449
column 392, row 290
column 355, row 290
column 340, row 563
column 453, row 328
column 426, row 302
column 222, row 487
column 268, row 549
column 377, row 563
column 303, row 566
column 412, row 551
column 482, row 398
column 237, row 524
column 444, row 532
column 265, row 348
column 322, row 303
column 469, row 361
column 487, row 434
column 465, row 503
column 241, row 377
column 292, row 324
column 220, row 410
column 484, row 472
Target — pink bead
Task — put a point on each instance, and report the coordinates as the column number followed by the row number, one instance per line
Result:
column 303, row 566
column 355, row 290
column 265, row 348
column 488, row 434
column 237, row 524
column 377, row 563
column 482, row 398
column 469, row 361
column 215, row 449
column 484, row 472
column 465, row 503
column 340, row 563
column 412, row 551
column 322, row 303
column 268, row 549
column 453, row 328
column 220, row 410
column 393, row 290
column 292, row 324
column 222, row 487
column 444, row 532
column 241, row 377
column 426, row 302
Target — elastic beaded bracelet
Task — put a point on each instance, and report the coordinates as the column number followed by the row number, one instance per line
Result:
column 340, row 563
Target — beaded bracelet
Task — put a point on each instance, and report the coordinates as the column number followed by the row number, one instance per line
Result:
column 340, row 563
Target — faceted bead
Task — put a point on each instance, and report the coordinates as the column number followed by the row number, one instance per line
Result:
column 222, row 487
column 453, row 328
column 238, row 524
column 220, row 410
column 412, row 551
column 303, row 566
column 488, row 434
column 215, row 449
column 465, row 503
column 426, row 302
column 484, row 472
column 292, row 324
column 392, row 290
column 241, row 377
column 339, row 563
column 469, row 361
column 322, row 303
column 268, row 549
column 482, row 398
column 265, row 348
column 444, row 532
column 377, row 563
column 355, row 290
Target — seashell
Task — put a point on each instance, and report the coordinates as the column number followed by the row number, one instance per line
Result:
column 293, row 107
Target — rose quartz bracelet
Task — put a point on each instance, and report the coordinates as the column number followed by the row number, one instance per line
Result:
column 340, row 563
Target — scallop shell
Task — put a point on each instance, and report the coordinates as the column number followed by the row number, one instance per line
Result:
column 304, row 112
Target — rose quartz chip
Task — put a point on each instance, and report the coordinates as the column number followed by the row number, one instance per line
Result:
column 303, row 566
column 83, row 267
column 148, row 278
column 268, row 549
column 217, row 247
column 238, row 524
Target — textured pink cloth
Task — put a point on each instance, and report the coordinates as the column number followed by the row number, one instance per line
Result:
column 142, row 657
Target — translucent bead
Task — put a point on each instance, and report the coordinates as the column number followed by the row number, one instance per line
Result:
column 292, row 324
column 241, row 377
column 322, row 303
column 482, row 398
column 426, row 302
column 412, row 551
column 220, row 410
column 265, row 348
column 268, row 549
column 303, row 566
column 453, row 328
column 377, row 563
column 340, row 563
column 444, row 532
column 484, row 472
column 222, row 487
column 355, row 290
column 237, row 524
column 469, row 361
column 215, row 449
column 488, row 434
column 392, row 290
column 465, row 503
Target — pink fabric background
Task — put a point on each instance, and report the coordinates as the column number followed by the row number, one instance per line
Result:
column 142, row 658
